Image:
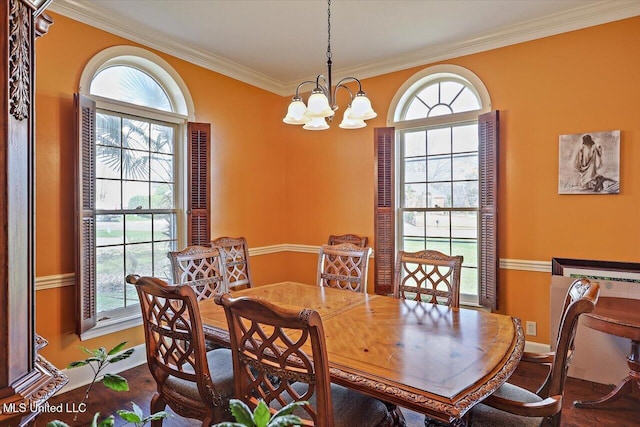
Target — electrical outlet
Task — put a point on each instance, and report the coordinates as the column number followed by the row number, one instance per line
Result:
column 531, row 328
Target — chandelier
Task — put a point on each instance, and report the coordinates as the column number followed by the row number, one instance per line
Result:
column 322, row 101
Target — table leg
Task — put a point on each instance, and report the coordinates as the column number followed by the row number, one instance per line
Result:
column 626, row 386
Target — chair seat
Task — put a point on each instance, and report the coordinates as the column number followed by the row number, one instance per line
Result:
column 483, row 415
column 350, row 408
column 221, row 367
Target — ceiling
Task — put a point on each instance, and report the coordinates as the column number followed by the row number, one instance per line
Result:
column 275, row 44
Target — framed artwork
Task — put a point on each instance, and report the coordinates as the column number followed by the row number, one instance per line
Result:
column 596, row 270
column 589, row 163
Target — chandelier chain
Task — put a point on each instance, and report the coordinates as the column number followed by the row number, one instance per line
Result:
column 329, row 29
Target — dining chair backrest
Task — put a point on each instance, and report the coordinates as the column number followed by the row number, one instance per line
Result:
column 175, row 345
column 581, row 298
column 279, row 355
column 343, row 266
column 428, row 276
column 361, row 241
column 234, row 253
column 200, row 267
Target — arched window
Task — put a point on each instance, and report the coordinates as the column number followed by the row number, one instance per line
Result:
column 133, row 110
column 440, row 164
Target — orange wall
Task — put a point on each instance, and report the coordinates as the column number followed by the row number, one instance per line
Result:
column 582, row 81
column 278, row 184
column 248, row 173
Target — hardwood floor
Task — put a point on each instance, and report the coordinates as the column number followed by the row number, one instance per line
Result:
column 624, row 413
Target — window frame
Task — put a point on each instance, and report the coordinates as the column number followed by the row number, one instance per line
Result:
column 180, row 99
column 397, row 109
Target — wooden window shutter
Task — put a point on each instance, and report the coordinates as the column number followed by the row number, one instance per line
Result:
column 384, row 222
column 85, row 213
column 199, row 199
column 488, row 134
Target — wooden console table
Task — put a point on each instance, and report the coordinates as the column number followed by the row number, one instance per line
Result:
column 619, row 317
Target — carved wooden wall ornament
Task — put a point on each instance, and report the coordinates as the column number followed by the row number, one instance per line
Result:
column 19, row 60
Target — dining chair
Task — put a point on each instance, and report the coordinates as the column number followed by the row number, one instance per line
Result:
column 280, row 356
column 234, row 252
column 428, row 276
column 361, row 241
column 194, row 383
column 200, row 267
column 511, row 405
column 343, row 266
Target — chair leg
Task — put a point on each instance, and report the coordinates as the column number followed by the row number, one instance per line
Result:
column 157, row 404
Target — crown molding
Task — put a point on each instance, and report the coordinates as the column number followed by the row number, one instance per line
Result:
column 585, row 16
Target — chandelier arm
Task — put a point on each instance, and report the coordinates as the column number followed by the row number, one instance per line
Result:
column 302, row 84
column 340, row 85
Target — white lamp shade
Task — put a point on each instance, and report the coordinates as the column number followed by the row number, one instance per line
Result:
column 361, row 108
column 348, row 123
column 295, row 114
column 318, row 106
column 316, row 123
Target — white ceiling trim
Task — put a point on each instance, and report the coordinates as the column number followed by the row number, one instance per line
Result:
column 587, row 16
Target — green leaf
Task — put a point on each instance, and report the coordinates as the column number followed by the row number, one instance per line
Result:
column 115, row 382
column 261, row 414
column 101, row 353
column 289, row 408
column 241, row 412
column 285, row 421
column 57, row 423
column 117, row 348
column 129, row 416
column 160, row 415
column 229, row 424
column 121, row 356
column 107, row 422
column 137, row 410
column 77, row 364
column 91, row 352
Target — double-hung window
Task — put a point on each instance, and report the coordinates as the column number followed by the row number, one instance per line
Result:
column 131, row 185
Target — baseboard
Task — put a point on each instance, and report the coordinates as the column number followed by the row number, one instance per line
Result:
column 82, row 376
column 536, row 347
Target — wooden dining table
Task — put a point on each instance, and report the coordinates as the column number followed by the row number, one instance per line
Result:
column 429, row 358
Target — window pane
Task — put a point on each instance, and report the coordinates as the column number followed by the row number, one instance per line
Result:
column 415, row 170
column 130, row 85
column 161, row 138
column 135, row 165
column 449, row 91
column 440, row 110
column 161, row 196
column 108, row 194
column 468, row 249
column 438, row 224
column 136, row 195
column 109, row 230
column 412, row 244
column 107, row 162
column 441, row 245
column 413, row 223
column 430, row 95
column 464, row 225
column 138, row 228
column 161, row 262
column 465, row 138
column 107, row 129
column 415, row 144
column 439, row 195
column 439, row 141
column 416, row 110
column 469, row 280
column 161, row 167
column 109, row 278
column 467, row 101
column 465, row 194
column 465, row 166
column 415, row 196
column 164, row 227
column 439, row 168
column 135, row 134
column 139, row 259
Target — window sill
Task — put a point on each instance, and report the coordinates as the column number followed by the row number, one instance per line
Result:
column 110, row 326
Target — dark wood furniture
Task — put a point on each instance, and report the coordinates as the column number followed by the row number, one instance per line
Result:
column 200, row 267
column 343, row 266
column 429, row 358
column 235, row 261
column 26, row 378
column 280, row 356
column 619, row 317
column 336, row 239
column 511, row 405
column 428, row 276
column 193, row 382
